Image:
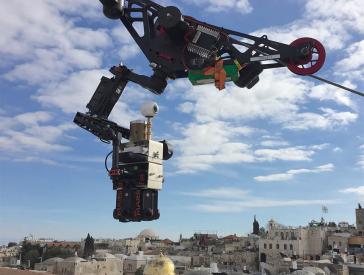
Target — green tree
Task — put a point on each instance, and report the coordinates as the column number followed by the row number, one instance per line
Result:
column 89, row 249
column 11, row 244
column 140, row 271
column 32, row 257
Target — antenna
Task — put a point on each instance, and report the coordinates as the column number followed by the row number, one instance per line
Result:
column 325, row 210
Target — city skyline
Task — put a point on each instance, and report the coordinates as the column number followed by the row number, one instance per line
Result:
column 281, row 150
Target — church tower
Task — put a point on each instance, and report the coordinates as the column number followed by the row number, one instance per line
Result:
column 255, row 226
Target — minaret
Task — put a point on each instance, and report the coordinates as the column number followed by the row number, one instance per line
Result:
column 359, row 219
column 255, row 226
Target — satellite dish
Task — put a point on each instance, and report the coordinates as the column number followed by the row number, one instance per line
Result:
column 315, row 270
column 303, row 272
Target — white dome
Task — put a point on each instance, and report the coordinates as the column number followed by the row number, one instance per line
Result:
column 104, row 255
column 74, row 260
column 52, row 260
column 148, row 233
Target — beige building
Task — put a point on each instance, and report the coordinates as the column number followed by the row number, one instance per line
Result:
column 9, row 256
column 282, row 241
column 339, row 242
column 100, row 264
column 134, row 262
column 48, row 265
column 360, row 219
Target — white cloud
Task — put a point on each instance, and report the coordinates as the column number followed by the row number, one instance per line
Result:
column 241, row 6
column 231, row 207
column 320, row 21
column 237, row 200
column 360, row 163
column 327, row 92
column 327, row 120
column 27, row 134
column 359, row 191
column 72, row 94
column 219, row 193
column 59, row 54
column 52, row 43
column 204, row 145
column 129, row 48
column 279, row 97
column 290, row 174
column 354, row 59
column 289, row 154
column 352, row 65
column 274, row 143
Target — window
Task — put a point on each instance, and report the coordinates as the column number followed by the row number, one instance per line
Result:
column 285, row 246
column 339, row 243
column 270, row 246
column 291, row 246
column 277, row 246
column 265, row 246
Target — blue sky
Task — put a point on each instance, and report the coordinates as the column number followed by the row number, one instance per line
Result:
column 280, row 150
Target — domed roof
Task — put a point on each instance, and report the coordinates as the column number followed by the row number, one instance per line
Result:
column 148, row 233
column 104, row 255
column 315, row 270
column 52, row 260
column 160, row 266
column 74, row 260
column 197, row 272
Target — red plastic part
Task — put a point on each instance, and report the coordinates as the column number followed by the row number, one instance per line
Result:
column 314, row 61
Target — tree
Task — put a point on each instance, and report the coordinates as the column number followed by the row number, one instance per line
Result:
column 11, row 244
column 140, row 271
column 30, row 253
column 89, row 249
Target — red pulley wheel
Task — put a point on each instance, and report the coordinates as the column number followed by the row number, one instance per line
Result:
column 314, row 60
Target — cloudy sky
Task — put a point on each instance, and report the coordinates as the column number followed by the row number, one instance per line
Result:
column 280, row 150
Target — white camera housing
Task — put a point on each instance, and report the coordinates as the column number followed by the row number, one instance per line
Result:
column 120, row 4
column 149, row 109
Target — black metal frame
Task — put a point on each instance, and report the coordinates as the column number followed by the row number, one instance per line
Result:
column 151, row 44
column 165, row 49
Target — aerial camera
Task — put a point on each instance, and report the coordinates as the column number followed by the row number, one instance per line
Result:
column 113, row 8
column 137, row 164
column 149, row 109
column 178, row 46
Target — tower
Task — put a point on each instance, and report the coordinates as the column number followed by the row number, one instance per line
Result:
column 89, row 249
column 255, row 226
column 359, row 218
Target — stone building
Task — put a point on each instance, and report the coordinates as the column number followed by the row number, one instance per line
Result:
column 9, row 256
column 339, row 242
column 359, row 219
column 282, row 241
column 256, row 229
column 48, row 265
column 100, row 264
column 135, row 262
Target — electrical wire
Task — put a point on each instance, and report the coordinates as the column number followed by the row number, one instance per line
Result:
column 106, row 158
column 336, row 85
column 313, row 76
